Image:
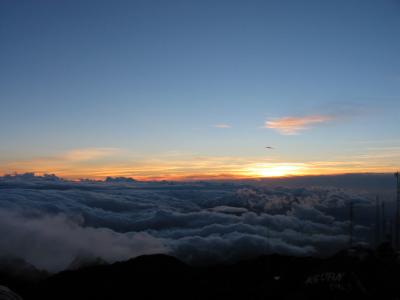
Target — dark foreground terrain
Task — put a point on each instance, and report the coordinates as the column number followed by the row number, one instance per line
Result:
column 351, row 274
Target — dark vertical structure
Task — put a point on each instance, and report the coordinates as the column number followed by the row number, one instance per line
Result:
column 351, row 217
column 397, row 218
column 383, row 222
column 377, row 223
column 391, row 229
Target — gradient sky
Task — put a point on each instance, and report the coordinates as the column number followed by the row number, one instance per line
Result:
column 171, row 89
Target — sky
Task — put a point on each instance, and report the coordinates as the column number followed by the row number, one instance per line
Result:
column 198, row 89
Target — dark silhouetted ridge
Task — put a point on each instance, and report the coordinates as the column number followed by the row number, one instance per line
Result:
column 356, row 273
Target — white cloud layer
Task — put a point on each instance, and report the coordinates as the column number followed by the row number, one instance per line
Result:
column 49, row 222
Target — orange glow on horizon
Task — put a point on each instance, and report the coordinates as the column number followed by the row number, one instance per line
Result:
column 98, row 163
column 257, row 171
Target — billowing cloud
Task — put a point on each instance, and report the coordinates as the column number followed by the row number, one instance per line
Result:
column 49, row 221
column 52, row 242
column 293, row 125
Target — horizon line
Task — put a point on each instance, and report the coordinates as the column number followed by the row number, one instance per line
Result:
column 219, row 177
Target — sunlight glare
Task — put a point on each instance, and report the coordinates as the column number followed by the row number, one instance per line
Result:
column 274, row 170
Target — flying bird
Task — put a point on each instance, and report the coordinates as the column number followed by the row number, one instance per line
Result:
column 269, row 147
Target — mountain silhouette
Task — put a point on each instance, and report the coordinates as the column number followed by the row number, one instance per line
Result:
column 355, row 273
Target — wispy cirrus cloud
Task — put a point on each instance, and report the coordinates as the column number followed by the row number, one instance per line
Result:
column 86, row 154
column 222, row 126
column 68, row 162
column 293, row 125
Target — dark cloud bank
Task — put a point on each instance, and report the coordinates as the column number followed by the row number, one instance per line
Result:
column 49, row 222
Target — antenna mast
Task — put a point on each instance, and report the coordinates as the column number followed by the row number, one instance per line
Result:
column 397, row 218
column 351, row 225
column 377, row 222
column 383, row 222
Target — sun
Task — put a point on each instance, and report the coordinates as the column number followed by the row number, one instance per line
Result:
column 274, row 170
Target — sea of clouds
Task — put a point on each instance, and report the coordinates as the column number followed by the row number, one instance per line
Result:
column 49, row 221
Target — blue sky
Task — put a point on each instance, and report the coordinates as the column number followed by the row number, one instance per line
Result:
column 154, row 78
